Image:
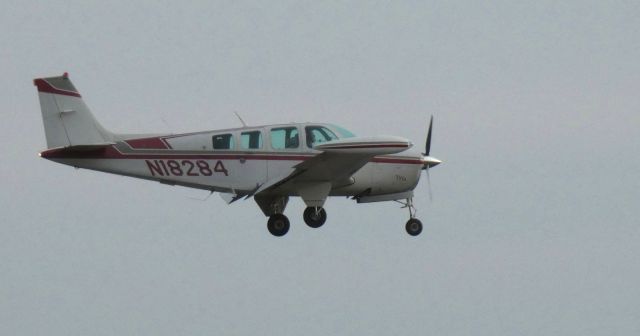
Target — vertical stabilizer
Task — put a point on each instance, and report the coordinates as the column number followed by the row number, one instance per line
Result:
column 67, row 119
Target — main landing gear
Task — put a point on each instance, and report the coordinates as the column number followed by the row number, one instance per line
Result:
column 314, row 216
column 414, row 225
column 278, row 225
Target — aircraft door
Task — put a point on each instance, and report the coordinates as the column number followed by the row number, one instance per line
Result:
column 251, row 163
column 285, row 143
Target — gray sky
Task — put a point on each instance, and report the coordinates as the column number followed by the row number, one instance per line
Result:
column 534, row 225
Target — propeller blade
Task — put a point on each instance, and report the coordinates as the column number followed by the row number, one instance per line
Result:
column 427, row 146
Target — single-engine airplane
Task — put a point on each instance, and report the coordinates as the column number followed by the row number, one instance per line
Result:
column 269, row 163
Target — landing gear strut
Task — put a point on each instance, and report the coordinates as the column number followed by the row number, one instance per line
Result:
column 314, row 216
column 273, row 207
column 278, row 225
column 414, row 225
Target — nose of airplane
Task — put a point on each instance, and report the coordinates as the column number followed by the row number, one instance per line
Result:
column 430, row 161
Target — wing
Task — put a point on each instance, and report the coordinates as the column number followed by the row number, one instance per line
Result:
column 333, row 166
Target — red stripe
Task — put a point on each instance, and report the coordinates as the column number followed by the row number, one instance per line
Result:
column 44, row 86
column 148, row 143
column 406, row 161
column 166, row 143
column 112, row 153
column 365, row 146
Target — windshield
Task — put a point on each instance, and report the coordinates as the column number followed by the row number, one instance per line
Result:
column 319, row 134
column 342, row 133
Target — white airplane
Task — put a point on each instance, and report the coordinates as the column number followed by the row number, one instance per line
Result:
column 269, row 163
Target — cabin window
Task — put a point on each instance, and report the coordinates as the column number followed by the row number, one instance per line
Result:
column 285, row 138
column 318, row 134
column 251, row 140
column 223, row 141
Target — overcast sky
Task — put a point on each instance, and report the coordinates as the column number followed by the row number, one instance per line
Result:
column 534, row 225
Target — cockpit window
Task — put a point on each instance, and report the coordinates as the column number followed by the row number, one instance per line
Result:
column 223, row 141
column 285, row 138
column 318, row 134
column 343, row 132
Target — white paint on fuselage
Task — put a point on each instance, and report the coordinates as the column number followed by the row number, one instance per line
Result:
column 247, row 169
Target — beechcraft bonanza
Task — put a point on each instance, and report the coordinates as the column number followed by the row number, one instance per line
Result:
column 269, row 163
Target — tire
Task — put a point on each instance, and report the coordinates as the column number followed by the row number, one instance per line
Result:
column 278, row 225
column 414, row 226
column 313, row 219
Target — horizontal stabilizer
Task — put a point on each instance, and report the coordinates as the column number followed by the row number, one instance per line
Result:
column 74, row 151
column 91, row 147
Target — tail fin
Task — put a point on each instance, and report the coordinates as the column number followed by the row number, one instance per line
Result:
column 67, row 119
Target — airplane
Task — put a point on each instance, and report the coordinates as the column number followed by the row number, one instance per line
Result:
column 269, row 163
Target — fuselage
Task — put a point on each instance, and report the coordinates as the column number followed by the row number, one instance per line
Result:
column 239, row 160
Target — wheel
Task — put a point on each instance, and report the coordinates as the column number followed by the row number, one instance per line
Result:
column 278, row 225
column 414, row 226
column 314, row 218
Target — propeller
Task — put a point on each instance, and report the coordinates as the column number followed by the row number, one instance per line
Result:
column 427, row 160
column 429, row 184
column 427, row 146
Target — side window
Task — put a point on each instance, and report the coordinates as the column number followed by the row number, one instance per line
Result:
column 318, row 134
column 223, row 141
column 251, row 140
column 285, row 138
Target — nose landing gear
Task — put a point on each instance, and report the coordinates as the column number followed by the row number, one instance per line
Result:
column 414, row 225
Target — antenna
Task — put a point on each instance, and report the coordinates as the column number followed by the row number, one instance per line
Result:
column 166, row 124
column 239, row 117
